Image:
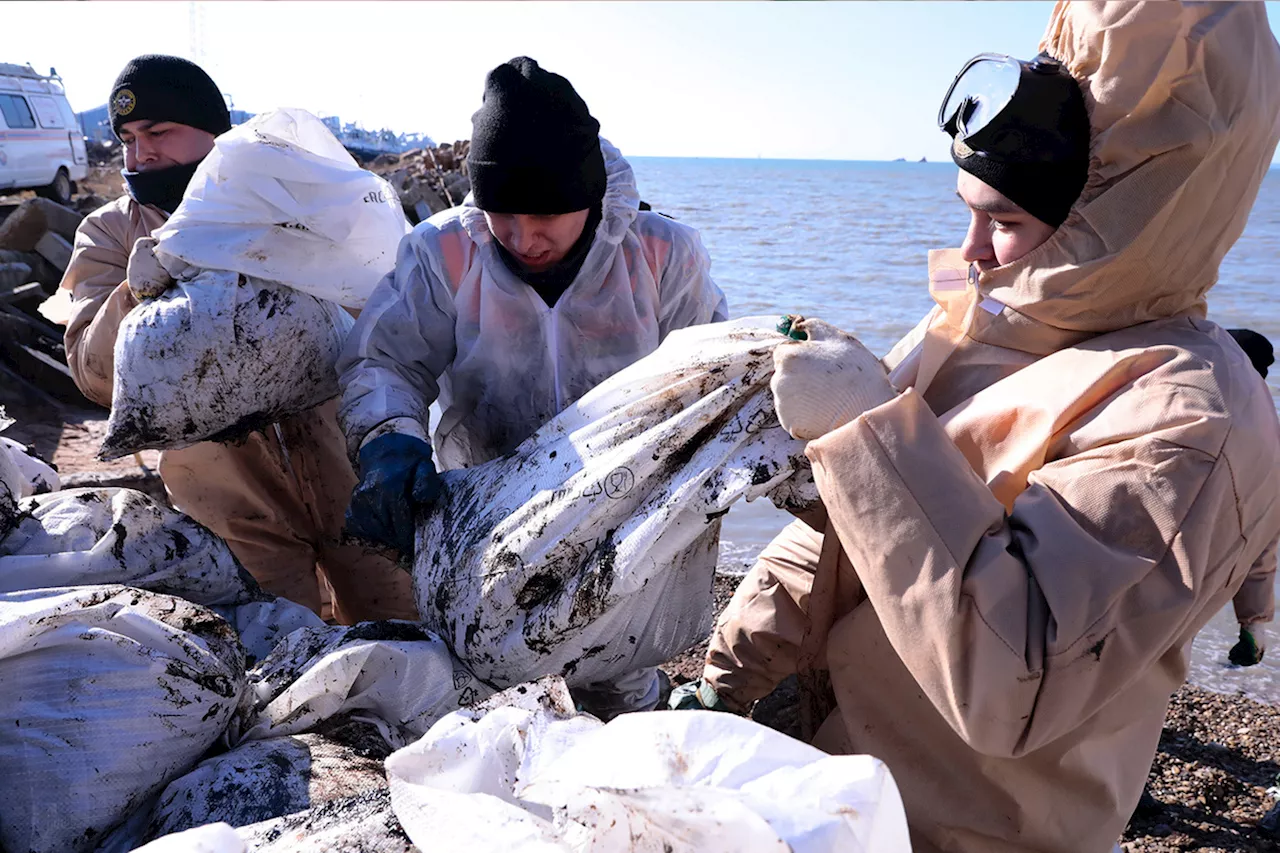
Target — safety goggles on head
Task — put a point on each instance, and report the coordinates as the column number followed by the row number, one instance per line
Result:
column 1012, row 110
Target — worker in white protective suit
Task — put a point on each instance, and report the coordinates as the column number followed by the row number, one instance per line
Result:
column 510, row 307
column 1067, row 471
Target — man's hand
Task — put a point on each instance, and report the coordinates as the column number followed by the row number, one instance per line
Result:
column 1250, row 647
column 822, row 383
column 146, row 278
column 396, row 479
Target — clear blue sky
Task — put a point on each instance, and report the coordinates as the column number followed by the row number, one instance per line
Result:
column 852, row 81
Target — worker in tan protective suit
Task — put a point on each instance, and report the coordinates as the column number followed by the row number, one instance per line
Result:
column 279, row 497
column 1255, row 602
column 1068, row 471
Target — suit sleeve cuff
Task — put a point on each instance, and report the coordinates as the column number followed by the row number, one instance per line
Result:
column 400, row 426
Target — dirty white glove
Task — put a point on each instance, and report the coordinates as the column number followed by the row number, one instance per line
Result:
column 147, row 279
column 822, row 383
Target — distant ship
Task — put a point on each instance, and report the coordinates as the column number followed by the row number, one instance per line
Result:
column 368, row 144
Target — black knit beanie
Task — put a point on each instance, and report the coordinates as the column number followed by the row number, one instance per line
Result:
column 167, row 88
column 1043, row 145
column 535, row 148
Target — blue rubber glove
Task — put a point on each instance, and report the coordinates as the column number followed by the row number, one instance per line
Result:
column 396, row 480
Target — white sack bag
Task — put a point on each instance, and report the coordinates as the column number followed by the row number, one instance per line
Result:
column 109, row 693
column 80, row 537
column 12, row 485
column 262, row 625
column 392, row 673
column 364, row 823
column 38, row 476
column 538, row 778
column 590, row 550
column 214, row 838
column 280, row 199
column 265, row 779
column 216, row 357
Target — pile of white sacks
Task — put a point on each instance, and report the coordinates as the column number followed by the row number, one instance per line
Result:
column 158, row 695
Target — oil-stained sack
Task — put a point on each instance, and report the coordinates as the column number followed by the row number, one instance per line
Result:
column 590, row 550
column 266, row 779
column 216, row 357
column 81, row 537
column 110, row 693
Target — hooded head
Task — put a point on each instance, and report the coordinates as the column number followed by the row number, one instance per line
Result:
column 1022, row 129
column 1184, row 109
column 1183, row 103
column 535, row 149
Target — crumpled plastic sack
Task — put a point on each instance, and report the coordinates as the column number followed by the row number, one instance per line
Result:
column 516, row 774
column 110, row 693
column 278, row 198
column 216, row 357
column 393, row 674
column 263, row 624
column 266, row 779
column 590, row 550
column 94, row 536
column 38, row 476
column 12, row 485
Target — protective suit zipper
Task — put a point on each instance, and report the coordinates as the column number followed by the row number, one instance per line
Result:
column 553, row 339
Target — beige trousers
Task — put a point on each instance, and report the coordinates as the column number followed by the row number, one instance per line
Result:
column 279, row 500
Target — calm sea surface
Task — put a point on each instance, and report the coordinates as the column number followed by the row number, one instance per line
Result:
column 848, row 242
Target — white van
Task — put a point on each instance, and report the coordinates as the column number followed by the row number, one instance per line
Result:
column 41, row 146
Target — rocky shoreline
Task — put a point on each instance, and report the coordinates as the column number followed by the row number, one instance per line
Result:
column 1214, row 785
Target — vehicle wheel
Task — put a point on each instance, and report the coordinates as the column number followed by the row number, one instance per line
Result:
column 59, row 190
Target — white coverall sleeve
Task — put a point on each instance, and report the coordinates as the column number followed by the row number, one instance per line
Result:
column 688, row 295
column 1019, row 626
column 401, row 344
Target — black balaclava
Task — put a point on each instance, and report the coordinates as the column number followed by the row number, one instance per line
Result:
column 535, row 148
column 1261, row 354
column 165, row 88
column 1043, row 140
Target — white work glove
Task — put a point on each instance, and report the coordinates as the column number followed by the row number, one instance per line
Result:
column 147, row 279
column 823, row 383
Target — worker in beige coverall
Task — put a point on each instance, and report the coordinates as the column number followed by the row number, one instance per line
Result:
column 1067, row 471
column 278, row 498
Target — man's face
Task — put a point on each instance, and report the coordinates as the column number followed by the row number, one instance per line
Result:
column 151, row 145
column 537, row 242
column 1000, row 232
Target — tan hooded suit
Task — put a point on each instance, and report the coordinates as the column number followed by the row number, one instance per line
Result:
column 1020, row 548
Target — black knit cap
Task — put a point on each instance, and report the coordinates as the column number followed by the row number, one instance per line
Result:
column 167, row 88
column 535, row 148
column 1037, row 156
